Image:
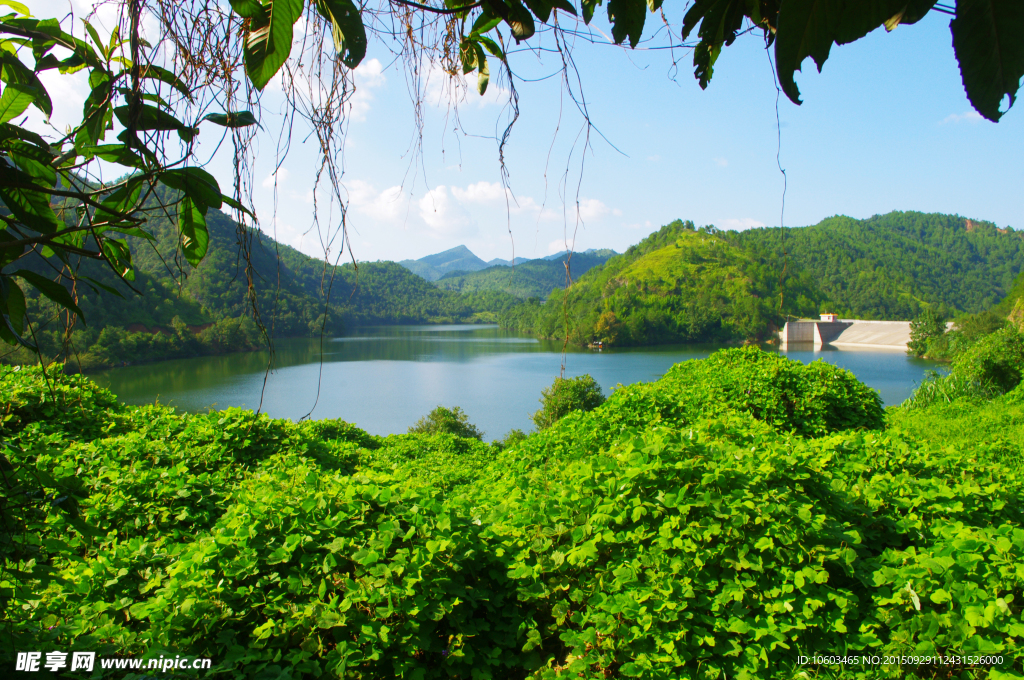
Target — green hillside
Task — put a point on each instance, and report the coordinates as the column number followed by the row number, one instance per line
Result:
column 187, row 312
column 687, row 285
column 680, row 284
column 532, row 278
column 896, row 265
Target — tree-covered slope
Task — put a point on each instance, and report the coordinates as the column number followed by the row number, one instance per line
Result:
column 680, row 284
column 296, row 296
column 531, row 278
column 893, row 266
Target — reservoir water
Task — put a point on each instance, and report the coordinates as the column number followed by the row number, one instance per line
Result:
column 384, row 379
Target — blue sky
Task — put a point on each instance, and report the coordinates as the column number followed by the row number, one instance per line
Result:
column 886, row 126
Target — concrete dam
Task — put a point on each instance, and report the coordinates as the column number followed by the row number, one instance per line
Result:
column 831, row 330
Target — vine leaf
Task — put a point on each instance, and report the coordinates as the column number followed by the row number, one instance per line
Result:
column 627, row 18
column 14, row 100
column 29, row 206
column 153, row 118
column 268, row 41
column 196, row 183
column 719, row 20
column 988, row 38
column 346, row 28
column 195, row 239
column 52, row 290
column 808, row 28
column 235, row 119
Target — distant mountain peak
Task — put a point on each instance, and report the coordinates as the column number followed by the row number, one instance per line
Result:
column 433, row 267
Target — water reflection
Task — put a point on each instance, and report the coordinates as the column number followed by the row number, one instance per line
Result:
column 385, row 378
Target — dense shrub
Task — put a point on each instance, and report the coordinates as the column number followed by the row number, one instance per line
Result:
column 996, row 359
column 946, row 389
column 55, row 402
column 447, row 421
column 566, row 395
column 672, row 532
column 811, row 400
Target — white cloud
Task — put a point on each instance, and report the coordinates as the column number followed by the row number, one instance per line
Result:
column 636, row 225
column 721, row 162
column 444, row 215
column 276, row 178
column 592, row 209
column 739, row 224
column 971, row 116
column 443, row 90
column 369, row 76
column 388, row 205
column 481, row 192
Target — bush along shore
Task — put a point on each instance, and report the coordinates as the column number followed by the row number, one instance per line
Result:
column 745, row 516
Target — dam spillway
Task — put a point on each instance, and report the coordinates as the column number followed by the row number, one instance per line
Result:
column 847, row 332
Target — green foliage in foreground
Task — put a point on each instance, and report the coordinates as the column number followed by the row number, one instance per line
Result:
column 448, row 421
column 685, row 528
column 566, row 395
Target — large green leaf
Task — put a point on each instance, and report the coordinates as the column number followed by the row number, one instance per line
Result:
column 520, row 21
column 34, row 160
column 196, row 183
column 483, row 75
column 988, row 38
column 14, row 100
column 195, row 239
column 540, row 8
column 269, row 42
column 120, row 203
column 9, row 253
column 627, row 18
column 120, row 256
column 235, row 119
column 153, row 118
column 346, row 28
column 29, row 207
column 52, row 290
column 13, row 72
column 720, row 20
column 12, row 313
column 228, row 201
column 808, row 28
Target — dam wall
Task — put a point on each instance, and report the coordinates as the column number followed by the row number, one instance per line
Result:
column 848, row 333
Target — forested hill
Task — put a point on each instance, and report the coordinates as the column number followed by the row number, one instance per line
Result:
column 894, row 266
column 680, row 284
column 293, row 287
column 532, row 278
column 684, row 284
column 187, row 312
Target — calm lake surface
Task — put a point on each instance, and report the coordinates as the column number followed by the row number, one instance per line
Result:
column 384, row 379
